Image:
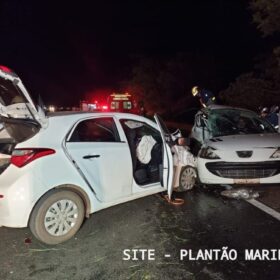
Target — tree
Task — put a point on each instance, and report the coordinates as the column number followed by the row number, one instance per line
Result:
column 266, row 15
column 260, row 87
column 250, row 91
column 165, row 82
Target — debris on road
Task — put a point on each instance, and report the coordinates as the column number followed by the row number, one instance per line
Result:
column 27, row 240
column 240, row 193
column 174, row 201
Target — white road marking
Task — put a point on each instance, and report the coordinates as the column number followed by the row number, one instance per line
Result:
column 167, row 256
column 265, row 208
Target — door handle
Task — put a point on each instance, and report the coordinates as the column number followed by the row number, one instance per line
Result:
column 91, row 156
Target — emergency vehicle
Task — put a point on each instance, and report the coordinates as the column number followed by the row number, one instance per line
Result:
column 116, row 102
column 92, row 106
column 122, row 102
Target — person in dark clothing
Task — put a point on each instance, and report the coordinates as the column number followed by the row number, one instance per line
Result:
column 206, row 97
column 272, row 117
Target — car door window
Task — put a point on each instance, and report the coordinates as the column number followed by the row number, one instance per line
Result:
column 144, row 172
column 139, row 129
column 95, row 130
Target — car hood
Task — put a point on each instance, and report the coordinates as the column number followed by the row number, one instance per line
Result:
column 251, row 141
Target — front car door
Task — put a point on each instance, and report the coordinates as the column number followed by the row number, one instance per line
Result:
column 104, row 160
column 167, row 158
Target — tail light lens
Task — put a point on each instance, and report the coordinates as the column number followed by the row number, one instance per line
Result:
column 21, row 157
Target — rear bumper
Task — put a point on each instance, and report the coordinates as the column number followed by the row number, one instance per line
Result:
column 17, row 199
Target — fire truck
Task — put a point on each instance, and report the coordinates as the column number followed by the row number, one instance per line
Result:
column 92, row 106
column 116, row 102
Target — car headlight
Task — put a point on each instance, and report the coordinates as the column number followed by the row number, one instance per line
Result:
column 208, row 153
column 276, row 154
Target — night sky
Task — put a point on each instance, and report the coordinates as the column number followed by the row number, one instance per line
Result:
column 62, row 51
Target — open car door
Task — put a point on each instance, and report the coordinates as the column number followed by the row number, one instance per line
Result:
column 167, row 157
column 18, row 113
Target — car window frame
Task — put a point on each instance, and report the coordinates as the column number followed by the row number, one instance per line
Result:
column 155, row 130
column 68, row 137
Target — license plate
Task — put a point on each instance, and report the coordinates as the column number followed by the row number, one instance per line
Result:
column 246, row 181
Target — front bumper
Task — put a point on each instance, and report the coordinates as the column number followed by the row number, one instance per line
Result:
column 221, row 172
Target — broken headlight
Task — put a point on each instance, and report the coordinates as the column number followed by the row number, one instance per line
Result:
column 276, row 154
column 208, row 153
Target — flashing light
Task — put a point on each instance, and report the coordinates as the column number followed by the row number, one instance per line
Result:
column 104, row 107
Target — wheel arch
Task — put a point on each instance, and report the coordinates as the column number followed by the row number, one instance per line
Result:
column 80, row 192
column 68, row 187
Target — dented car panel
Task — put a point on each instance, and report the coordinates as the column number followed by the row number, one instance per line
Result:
column 236, row 147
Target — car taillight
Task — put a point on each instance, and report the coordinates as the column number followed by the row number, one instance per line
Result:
column 21, row 157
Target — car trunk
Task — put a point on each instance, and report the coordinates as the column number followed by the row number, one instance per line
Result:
column 14, row 131
column 20, row 117
column 7, row 145
column 6, row 149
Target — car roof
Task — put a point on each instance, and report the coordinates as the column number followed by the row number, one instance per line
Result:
column 69, row 116
column 222, row 107
column 89, row 113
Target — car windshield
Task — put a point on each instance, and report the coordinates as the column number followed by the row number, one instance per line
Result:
column 235, row 121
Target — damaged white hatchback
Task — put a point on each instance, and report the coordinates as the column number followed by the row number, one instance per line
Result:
column 235, row 146
column 60, row 168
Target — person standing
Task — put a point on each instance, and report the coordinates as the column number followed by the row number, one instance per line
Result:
column 206, row 97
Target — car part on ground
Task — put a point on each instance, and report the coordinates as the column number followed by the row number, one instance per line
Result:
column 240, row 193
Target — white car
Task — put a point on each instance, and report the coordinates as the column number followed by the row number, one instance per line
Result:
column 235, row 146
column 66, row 166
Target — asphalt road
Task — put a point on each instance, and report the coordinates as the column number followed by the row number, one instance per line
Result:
column 205, row 221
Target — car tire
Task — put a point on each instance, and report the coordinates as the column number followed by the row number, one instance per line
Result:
column 187, row 178
column 57, row 216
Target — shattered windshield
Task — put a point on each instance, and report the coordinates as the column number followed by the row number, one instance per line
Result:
column 235, row 121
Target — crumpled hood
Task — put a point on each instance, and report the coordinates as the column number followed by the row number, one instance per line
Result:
column 240, row 142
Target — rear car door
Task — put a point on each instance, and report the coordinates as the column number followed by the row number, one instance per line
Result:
column 104, row 160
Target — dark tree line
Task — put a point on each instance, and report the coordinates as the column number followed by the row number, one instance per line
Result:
column 260, row 86
column 164, row 83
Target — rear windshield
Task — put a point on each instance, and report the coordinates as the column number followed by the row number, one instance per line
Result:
column 234, row 121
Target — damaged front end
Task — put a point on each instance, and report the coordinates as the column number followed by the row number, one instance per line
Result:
column 185, row 173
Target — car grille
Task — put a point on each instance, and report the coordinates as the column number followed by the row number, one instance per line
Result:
column 244, row 170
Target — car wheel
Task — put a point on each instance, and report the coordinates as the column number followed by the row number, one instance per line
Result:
column 187, row 178
column 57, row 216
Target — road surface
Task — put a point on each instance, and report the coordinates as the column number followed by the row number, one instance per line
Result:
column 206, row 221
